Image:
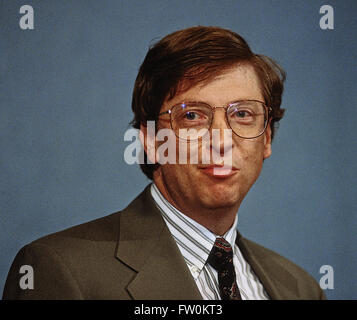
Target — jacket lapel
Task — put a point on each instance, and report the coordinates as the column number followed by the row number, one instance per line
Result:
column 146, row 246
column 276, row 280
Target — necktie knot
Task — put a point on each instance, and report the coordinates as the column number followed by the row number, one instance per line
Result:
column 221, row 254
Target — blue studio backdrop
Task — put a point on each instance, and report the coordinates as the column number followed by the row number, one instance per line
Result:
column 65, row 104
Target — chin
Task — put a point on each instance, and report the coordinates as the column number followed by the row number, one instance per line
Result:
column 221, row 198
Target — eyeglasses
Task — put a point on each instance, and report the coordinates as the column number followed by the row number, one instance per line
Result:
column 248, row 119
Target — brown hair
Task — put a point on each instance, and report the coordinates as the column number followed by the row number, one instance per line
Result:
column 190, row 56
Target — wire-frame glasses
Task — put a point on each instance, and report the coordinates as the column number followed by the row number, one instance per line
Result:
column 248, row 119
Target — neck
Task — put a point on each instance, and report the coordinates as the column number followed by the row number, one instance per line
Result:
column 218, row 219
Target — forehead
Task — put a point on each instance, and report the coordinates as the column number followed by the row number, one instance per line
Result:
column 236, row 83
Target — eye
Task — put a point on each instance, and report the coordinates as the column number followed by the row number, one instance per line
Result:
column 241, row 114
column 194, row 114
column 191, row 115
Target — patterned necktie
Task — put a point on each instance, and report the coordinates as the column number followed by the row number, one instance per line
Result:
column 221, row 258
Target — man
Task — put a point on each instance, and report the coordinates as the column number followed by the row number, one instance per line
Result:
column 178, row 238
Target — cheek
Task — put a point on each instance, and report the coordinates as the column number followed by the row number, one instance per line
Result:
column 249, row 155
column 177, row 173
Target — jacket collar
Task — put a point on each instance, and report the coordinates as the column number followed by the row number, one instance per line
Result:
column 146, row 246
column 279, row 283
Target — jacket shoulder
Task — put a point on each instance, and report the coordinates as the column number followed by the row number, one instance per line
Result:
column 101, row 229
column 65, row 264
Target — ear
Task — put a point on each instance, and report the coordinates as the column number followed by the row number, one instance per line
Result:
column 148, row 141
column 267, row 142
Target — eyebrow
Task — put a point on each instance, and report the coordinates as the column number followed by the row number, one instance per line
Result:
column 213, row 105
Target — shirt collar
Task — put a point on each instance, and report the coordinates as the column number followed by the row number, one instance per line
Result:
column 194, row 240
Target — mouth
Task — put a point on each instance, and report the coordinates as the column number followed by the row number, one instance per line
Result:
column 218, row 171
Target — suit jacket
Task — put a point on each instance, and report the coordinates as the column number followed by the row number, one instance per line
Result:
column 132, row 255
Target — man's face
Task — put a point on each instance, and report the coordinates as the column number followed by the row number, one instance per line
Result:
column 191, row 187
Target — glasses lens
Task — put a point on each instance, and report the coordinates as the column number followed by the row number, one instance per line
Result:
column 247, row 119
column 191, row 121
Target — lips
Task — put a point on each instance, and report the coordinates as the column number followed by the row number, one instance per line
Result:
column 218, row 171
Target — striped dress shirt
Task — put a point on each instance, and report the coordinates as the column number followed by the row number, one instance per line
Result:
column 195, row 243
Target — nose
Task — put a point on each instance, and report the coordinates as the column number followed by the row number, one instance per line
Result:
column 220, row 143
